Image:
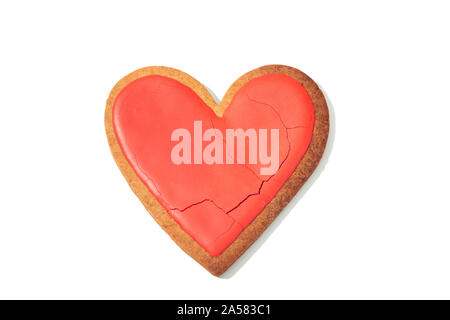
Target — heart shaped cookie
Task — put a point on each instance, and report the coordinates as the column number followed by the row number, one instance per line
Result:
column 214, row 176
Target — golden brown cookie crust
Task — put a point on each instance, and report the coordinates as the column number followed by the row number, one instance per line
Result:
column 218, row 265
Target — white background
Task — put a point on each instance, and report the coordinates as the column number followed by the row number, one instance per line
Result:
column 373, row 222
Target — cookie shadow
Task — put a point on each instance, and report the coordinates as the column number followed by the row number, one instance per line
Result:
column 240, row 262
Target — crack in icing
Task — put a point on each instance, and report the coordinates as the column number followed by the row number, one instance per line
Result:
column 197, row 203
column 258, row 177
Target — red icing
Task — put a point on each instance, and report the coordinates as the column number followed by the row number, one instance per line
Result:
column 212, row 203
